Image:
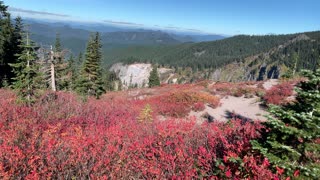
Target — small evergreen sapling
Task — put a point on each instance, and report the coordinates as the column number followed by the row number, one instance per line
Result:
column 154, row 79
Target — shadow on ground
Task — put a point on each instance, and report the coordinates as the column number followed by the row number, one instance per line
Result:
column 233, row 115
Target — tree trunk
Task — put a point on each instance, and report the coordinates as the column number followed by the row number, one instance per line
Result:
column 53, row 80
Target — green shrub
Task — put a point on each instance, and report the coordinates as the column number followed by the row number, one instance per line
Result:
column 290, row 139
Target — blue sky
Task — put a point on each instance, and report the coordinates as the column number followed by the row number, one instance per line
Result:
column 210, row 16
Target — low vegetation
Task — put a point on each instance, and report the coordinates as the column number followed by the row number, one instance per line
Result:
column 290, row 139
column 61, row 137
column 122, row 136
column 279, row 94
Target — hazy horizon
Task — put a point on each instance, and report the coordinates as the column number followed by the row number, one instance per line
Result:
column 203, row 17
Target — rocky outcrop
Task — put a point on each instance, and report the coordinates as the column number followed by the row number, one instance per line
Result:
column 137, row 74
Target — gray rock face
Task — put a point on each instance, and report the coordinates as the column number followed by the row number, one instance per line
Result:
column 134, row 74
column 137, row 75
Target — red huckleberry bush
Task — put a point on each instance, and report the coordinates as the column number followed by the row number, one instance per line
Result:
column 61, row 137
column 199, row 106
column 278, row 94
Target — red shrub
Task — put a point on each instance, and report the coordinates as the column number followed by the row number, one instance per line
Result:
column 279, row 93
column 102, row 140
column 180, row 103
column 199, row 106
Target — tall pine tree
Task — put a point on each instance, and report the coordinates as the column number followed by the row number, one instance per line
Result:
column 6, row 45
column 90, row 81
column 26, row 71
column 70, row 73
column 61, row 67
column 17, row 36
column 10, row 42
column 57, row 44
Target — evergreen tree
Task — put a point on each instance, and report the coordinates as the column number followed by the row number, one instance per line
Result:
column 17, row 36
column 26, row 71
column 3, row 15
column 10, row 44
column 110, row 80
column 154, row 79
column 90, row 79
column 57, row 45
column 79, row 60
column 71, row 73
column 61, row 66
column 6, row 45
column 15, row 45
column 3, row 10
column 76, row 65
column 288, row 140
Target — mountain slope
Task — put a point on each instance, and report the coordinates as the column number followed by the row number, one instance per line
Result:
column 197, row 38
column 302, row 52
column 204, row 54
column 239, row 58
column 147, row 37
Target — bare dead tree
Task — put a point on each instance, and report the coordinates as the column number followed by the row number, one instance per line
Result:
column 48, row 62
column 53, row 79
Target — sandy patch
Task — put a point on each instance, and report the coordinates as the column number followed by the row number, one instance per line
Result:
column 248, row 108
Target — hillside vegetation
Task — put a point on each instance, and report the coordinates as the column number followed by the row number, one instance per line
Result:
column 239, row 58
column 213, row 54
column 249, row 57
column 216, row 53
column 141, row 134
column 285, row 60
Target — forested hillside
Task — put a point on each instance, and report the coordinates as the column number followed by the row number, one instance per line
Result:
column 205, row 54
column 285, row 60
column 238, row 58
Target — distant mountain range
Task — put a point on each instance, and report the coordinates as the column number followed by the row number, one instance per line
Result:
column 146, row 37
column 197, row 37
column 74, row 35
